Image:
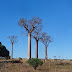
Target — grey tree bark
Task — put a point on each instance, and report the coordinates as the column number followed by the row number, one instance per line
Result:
column 29, row 46
column 36, row 49
column 45, row 53
column 12, row 51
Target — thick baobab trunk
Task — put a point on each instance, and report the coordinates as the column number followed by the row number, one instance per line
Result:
column 45, row 53
column 29, row 46
column 12, row 51
column 36, row 48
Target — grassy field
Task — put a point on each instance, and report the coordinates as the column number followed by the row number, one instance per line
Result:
column 48, row 66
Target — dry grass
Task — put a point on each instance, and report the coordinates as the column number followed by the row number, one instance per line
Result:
column 15, row 67
column 56, row 66
column 48, row 66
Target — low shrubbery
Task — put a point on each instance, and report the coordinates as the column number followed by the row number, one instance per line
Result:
column 16, row 61
column 71, row 60
column 20, row 58
column 34, row 62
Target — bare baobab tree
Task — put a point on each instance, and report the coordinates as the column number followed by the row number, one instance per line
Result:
column 29, row 26
column 13, row 39
column 36, row 34
column 46, row 40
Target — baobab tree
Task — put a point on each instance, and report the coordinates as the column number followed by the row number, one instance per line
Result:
column 46, row 40
column 30, row 25
column 13, row 39
column 36, row 34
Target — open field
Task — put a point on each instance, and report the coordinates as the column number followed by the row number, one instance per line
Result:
column 48, row 66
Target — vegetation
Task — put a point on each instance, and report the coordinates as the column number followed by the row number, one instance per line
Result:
column 30, row 25
column 33, row 27
column 13, row 39
column 20, row 58
column 45, row 40
column 3, row 51
column 48, row 66
column 34, row 62
column 36, row 34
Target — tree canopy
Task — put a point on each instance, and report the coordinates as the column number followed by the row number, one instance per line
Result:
column 30, row 24
column 13, row 39
column 46, row 39
column 3, row 51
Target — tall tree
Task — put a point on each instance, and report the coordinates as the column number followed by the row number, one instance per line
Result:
column 37, row 36
column 46, row 40
column 13, row 39
column 29, row 26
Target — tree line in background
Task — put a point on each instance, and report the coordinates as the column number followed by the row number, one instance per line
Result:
column 33, row 28
column 3, row 51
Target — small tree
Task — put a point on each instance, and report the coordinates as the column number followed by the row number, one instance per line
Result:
column 34, row 62
column 29, row 26
column 13, row 39
column 46, row 40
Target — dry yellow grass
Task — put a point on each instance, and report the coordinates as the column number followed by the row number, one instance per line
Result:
column 48, row 66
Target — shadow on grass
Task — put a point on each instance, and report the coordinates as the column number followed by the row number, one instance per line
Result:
column 12, row 61
column 63, row 64
column 42, row 69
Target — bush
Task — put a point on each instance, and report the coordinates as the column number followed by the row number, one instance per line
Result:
column 34, row 62
column 16, row 61
column 9, row 57
column 71, row 60
column 3, row 51
column 20, row 58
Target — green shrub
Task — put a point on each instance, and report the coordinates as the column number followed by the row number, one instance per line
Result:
column 34, row 62
column 70, row 60
column 9, row 57
column 20, row 58
column 55, row 59
column 15, row 61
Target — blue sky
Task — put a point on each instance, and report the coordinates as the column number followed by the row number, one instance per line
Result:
column 57, row 22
